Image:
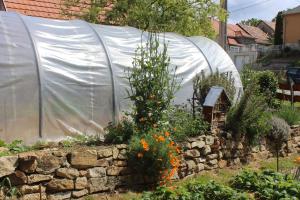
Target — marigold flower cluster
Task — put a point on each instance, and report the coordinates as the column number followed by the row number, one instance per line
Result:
column 152, row 145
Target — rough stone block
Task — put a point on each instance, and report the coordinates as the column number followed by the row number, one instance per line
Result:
column 198, row 144
column 47, row 164
column 105, row 152
column 80, row 193
column 59, row 185
column 98, row 185
column 81, row 183
column 194, row 153
column 8, row 165
column 36, row 178
column 96, row 172
column 69, row 173
column 59, row 196
column 83, row 159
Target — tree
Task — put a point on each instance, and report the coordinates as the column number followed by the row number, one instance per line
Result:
column 251, row 22
column 278, row 40
column 187, row 17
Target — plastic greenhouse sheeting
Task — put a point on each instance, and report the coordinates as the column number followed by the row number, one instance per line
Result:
column 60, row 78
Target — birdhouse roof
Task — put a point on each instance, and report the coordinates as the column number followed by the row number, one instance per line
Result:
column 213, row 95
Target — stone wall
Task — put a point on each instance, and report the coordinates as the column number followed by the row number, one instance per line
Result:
column 76, row 172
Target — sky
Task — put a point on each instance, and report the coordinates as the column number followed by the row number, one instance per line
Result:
column 261, row 9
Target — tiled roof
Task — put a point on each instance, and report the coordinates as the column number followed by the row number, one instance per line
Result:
column 232, row 30
column 270, row 24
column 260, row 36
column 44, row 8
column 236, row 31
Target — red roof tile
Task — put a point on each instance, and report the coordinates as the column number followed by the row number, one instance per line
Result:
column 44, row 8
column 260, row 36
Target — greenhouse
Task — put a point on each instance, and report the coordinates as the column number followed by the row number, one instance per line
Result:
column 60, row 78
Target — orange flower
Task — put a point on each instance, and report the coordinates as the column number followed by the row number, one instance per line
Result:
column 140, row 155
column 174, row 129
column 167, row 134
column 178, row 149
column 297, row 160
column 161, row 138
column 145, row 145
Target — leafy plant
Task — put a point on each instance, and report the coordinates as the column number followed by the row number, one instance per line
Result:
column 196, row 191
column 121, row 132
column 8, row 189
column 267, row 185
column 152, row 87
column 289, row 114
column 203, row 83
column 154, row 155
column 279, row 134
column 263, row 83
column 185, row 125
column 184, row 17
column 248, row 117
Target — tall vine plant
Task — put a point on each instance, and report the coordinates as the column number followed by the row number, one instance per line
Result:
column 152, row 84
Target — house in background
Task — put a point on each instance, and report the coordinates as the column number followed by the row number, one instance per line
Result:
column 291, row 28
column 262, row 39
column 267, row 27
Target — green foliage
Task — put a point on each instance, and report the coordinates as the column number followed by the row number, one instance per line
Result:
column 289, row 114
column 280, row 131
column 278, row 37
column 152, row 87
column 121, row 132
column 196, row 191
column 262, row 83
column 185, row 125
column 203, row 83
column 14, row 147
column 251, row 22
column 153, row 155
column 184, row 16
column 8, row 189
column 267, row 185
column 248, row 117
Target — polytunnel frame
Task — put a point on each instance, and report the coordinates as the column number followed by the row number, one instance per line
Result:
column 37, row 64
column 106, row 50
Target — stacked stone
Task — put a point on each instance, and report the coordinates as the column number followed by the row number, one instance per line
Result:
column 72, row 174
column 200, row 153
column 57, row 174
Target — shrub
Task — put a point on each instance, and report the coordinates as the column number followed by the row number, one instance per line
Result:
column 154, row 155
column 203, row 83
column 152, row 87
column 267, row 185
column 263, row 83
column 121, row 132
column 248, row 117
column 185, row 125
column 279, row 134
column 289, row 114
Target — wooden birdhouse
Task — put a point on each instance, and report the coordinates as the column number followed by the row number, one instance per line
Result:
column 215, row 107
